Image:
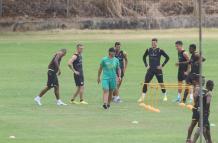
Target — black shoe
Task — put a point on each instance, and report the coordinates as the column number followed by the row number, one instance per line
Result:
column 108, row 106
column 105, row 106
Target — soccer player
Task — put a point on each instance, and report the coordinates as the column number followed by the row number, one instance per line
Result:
column 110, row 66
column 195, row 69
column 53, row 71
column 183, row 59
column 75, row 64
column 154, row 67
column 122, row 57
column 206, row 112
column 195, row 110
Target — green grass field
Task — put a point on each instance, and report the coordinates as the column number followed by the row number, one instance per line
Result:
column 24, row 58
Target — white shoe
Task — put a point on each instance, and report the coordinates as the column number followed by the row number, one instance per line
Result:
column 37, row 100
column 165, row 98
column 141, row 99
column 60, row 103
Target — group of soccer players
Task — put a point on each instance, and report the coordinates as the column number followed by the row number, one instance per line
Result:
column 114, row 66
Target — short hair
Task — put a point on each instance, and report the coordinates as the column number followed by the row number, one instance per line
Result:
column 192, row 46
column 111, row 49
column 79, row 45
column 179, row 43
column 63, row 50
column 209, row 83
column 117, row 43
column 154, row 39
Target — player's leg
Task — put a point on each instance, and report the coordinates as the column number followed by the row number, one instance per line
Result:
column 75, row 95
column 57, row 95
column 110, row 98
column 196, row 135
column 50, row 83
column 190, row 130
column 81, row 95
column 105, row 86
column 159, row 76
column 116, row 97
column 38, row 98
column 187, row 90
column 112, row 87
column 148, row 77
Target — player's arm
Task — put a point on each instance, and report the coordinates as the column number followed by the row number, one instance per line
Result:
column 99, row 74
column 56, row 62
column 118, row 71
column 125, row 61
column 209, row 96
column 167, row 58
column 145, row 58
column 70, row 65
column 185, row 54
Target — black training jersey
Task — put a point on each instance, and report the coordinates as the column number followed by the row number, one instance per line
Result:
column 194, row 62
column 154, row 55
column 181, row 58
column 206, row 107
column 77, row 64
column 52, row 64
column 120, row 56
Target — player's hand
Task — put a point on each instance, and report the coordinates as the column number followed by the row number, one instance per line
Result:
column 98, row 80
column 59, row 72
column 159, row 67
column 118, row 79
column 148, row 67
column 186, row 73
column 177, row 64
column 76, row 72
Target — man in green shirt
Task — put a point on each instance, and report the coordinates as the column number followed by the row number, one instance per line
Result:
column 110, row 67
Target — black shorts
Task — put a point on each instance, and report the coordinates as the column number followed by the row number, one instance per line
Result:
column 189, row 78
column 79, row 80
column 181, row 76
column 52, row 79
column 150, row 74
column 195, row 114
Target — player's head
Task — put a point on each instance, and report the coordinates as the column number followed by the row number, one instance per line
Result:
column 63, row 52
column 111, row 52
column 154, row 42
column 117, row 46
column 79, row 48
column 179, row 45
column 210, row 85
column 192, row 48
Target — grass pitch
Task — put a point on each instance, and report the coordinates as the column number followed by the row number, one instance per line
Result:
column 24, row 58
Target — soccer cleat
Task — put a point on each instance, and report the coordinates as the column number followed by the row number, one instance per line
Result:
column 104, row 106
column 75, row 102
column 83, row 102
column 60, row 103
column 165, row 98
column 37, row 100
column 118, row 100
column 141, row 99
column 108, row 106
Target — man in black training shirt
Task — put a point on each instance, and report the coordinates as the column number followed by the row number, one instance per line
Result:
column 194, row 63
column 182, row 67
column 122, row 57
column 75, row 64
column 154, row 67
column 53, row 71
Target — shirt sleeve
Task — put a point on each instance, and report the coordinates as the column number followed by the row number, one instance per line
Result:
column 145, row 58
column 163, row 53
column 102, row 62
